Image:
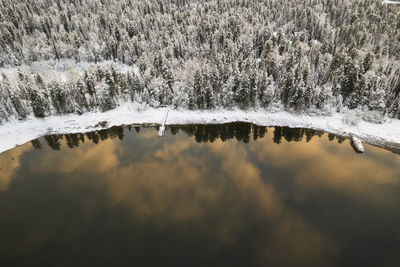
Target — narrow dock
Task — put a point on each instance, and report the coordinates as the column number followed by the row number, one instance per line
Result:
column 161, row 131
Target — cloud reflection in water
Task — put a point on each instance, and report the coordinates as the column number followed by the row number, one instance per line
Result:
column 222, row 191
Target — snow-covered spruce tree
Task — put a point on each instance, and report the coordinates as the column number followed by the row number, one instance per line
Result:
column 199, row 55
column 267, row 91
column 59, row 97
column 198, row 90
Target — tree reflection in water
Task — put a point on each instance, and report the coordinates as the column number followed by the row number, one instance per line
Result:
column 203, row 133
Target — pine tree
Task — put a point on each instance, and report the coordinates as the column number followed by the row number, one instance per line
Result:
column 358, row 98
column 198, row 89
column 287, row 88
column 38, row 103
column 252, row 89
column 367, row 62
column 350, row 78
column 59, row 98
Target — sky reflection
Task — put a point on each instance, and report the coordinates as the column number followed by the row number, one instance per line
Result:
column 195, row 203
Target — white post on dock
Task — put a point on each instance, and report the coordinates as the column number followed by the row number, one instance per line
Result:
column 162, row 127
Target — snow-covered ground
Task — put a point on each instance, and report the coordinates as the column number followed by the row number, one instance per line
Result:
column 16, row 133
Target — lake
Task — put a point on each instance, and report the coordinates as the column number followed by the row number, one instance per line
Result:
column 204, row 195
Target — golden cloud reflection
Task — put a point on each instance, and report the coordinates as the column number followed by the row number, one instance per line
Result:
column 215, row 187
column 334, row 167
column 89, row 158
column 9, row 164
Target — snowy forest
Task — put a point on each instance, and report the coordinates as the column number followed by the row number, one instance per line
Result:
column 303, row 56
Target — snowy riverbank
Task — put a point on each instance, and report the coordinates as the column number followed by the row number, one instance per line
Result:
column 16, row 133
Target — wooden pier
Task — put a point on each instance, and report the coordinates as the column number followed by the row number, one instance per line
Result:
column 161, row 131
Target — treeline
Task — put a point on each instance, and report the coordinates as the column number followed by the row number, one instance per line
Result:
column 242, row 132
column 301, row 55
column 99, row 87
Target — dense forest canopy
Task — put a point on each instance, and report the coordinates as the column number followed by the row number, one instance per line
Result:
column 299, row 55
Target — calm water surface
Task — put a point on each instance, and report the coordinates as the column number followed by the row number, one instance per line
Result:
column 227, row 195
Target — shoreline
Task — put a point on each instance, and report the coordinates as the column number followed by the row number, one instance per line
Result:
column 15, row 133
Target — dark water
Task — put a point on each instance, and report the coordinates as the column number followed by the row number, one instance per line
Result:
column 227, row 195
